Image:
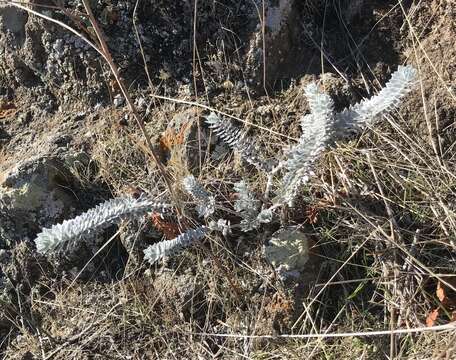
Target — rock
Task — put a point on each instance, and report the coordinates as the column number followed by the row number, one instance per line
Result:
column 281, row 31
column 183, row 142
column 118, row 101
column 291, row 36
column 33, row 195
column 20, row 270
column 3, row 135
column 288, row 250
column 13, row 20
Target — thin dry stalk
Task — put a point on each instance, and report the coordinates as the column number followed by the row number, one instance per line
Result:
column 443, row 328
column 125, row 93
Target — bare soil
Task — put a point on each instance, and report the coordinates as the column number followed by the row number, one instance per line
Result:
column 59, row 101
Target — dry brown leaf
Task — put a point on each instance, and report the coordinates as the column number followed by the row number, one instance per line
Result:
column 444, row 293
column 279, row 304
column 440, row 292
column 171, row 138
column 169, row 229
column 432, row 317
column 166, row 140
column 312, row 214
column 133, row 191
column 114, row 86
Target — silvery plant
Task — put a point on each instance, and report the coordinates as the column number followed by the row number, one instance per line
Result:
column 205, row 201
column 164, row 248
column 320, row 129
column 95, row 220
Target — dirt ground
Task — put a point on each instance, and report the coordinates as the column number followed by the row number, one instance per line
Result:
column 379, row 212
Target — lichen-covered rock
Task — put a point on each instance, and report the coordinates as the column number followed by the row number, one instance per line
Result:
column 185, row 140
column 288, row 250
column 12, row 23
column 33, row 194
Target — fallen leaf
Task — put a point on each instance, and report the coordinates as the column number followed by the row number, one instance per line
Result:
column 114, row 86
column 432, row 317
column 133, row 191
column 279, row 304
column 167, row 140
column 168, row 228
column 440, row 292
column 171, row 138
column 312, row 214
column 445, row 293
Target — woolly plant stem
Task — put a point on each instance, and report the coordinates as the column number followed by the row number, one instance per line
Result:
column 164, row 248
column 93, row 221
column 206, row 202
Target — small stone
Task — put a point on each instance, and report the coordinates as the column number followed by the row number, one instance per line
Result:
column 4, row 256
column 141, row 104
column 288, row 250
column 118, row 101
column 181, row 141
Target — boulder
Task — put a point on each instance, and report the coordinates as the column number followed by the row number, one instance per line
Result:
column 33, row 194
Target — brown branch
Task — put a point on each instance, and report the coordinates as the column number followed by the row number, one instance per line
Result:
column 105, row 53
column 123, row 89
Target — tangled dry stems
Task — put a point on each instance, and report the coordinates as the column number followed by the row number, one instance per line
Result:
column 385, row 265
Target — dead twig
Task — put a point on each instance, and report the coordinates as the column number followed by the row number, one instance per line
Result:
column 123, row 89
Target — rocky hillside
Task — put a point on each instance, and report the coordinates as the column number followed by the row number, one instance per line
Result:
column 373, row 230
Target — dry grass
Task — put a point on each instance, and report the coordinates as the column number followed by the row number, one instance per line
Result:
column 383, row 223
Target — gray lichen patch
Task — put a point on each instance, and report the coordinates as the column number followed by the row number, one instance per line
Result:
column 33, row 193
column 288, row 250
